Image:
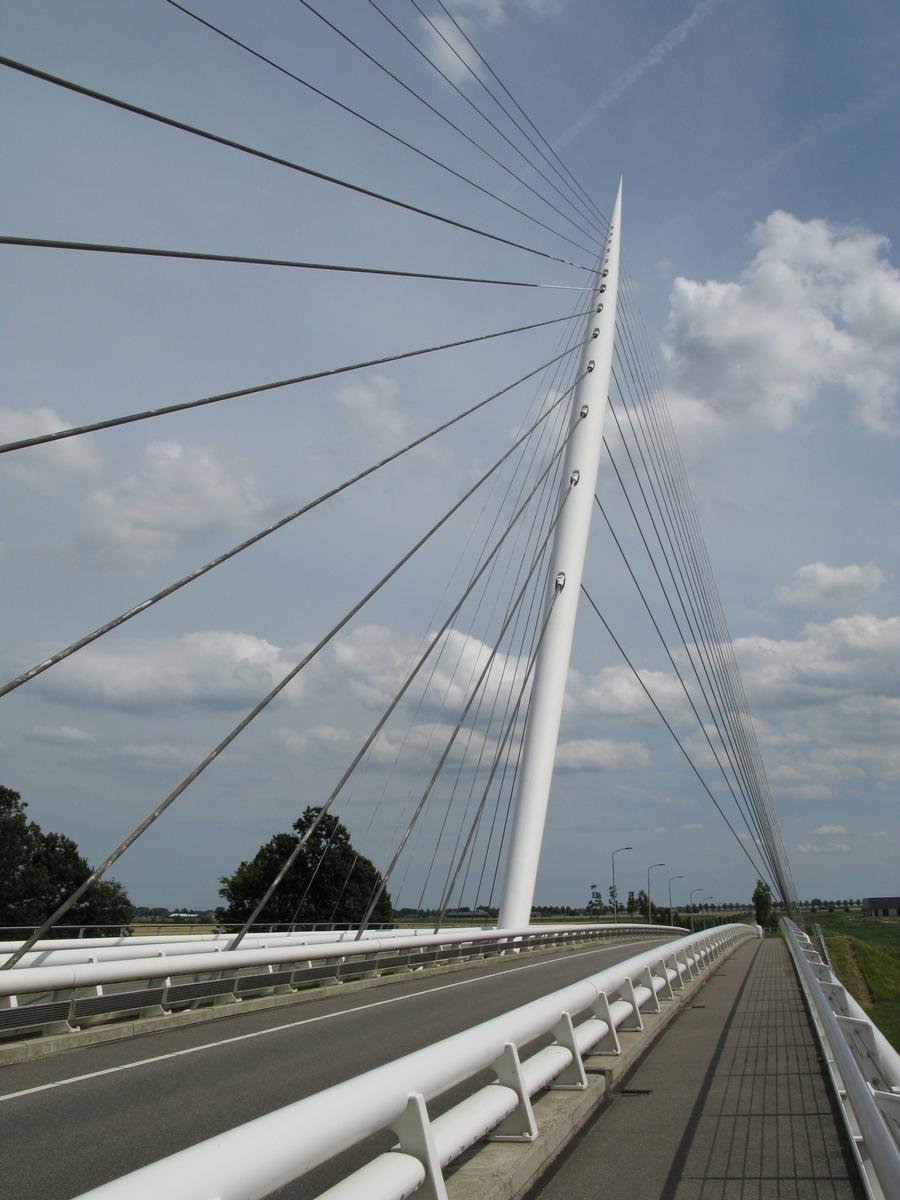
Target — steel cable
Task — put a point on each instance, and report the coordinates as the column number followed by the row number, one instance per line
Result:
column 129, row 418
column 363, row 750
column 574, row 182
column 373, row 124
column 586, row 211
column 277, row 160
column 492, row 124
column 296, row 264
column 708, row 640
column 675, row 736
column 169, row 590
column 445, row 899
column 522, row 556
column 385, row 876
column 259, row 707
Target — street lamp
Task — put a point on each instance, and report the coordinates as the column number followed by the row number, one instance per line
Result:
column 649, row 905
column 671, row 910
column 615, row 893
column 693, row 894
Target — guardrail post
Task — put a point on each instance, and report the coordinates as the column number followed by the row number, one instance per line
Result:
column 632, row 1024
column 646, row 978
column 861, row 1040
column 836, row 994
column 520, row 1125
column 678, row 982
column 889, row 1106
column 609, row 1043
column 573, row 1077
column 668, row 994
column 414, row 1132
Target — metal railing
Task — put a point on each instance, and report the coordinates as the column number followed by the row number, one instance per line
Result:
column 62, row 993
column 863, row 1066
column 584, row 1018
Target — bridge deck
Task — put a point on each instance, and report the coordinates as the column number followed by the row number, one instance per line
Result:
column 731, row 1103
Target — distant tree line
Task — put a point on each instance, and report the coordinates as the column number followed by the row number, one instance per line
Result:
column 39, row 870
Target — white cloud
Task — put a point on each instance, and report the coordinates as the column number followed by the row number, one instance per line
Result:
column 43, row 467
column 373, row 411
column 211, row 669
column 304, row 741
column 60, row 735
column 378, row 659
column 161, row 754
column 832, row 848
column 472, row 16
column 817, row 307
column 819, row 584
column 614, row 691
column 848, row 657
column 600, row 754
column 179, row 493
column 825, row 829
column 442, row 31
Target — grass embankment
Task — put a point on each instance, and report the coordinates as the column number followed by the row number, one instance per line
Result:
column 865, row 954
column 881, row 932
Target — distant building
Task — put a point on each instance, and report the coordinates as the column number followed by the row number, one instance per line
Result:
column 881, row 906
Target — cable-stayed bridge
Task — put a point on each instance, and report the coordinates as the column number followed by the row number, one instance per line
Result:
column 572, row 412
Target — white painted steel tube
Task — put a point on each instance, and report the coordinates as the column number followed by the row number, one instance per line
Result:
column 461, row 1127
column 880, row 1146
column 888, row 1058
column 567, row 563
column 69, row 950
column 384, row 1178
column 20, row 981
column 253, row 1160
column 98, row 950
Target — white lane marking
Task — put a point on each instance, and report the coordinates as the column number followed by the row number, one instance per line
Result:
column 244, row 1037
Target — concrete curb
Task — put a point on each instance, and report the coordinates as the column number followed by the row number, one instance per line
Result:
column 508, row 1170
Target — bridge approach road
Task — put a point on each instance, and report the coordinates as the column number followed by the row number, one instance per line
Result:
column 84, row 1117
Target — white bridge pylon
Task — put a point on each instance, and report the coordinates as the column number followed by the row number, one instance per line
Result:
column 589, row 404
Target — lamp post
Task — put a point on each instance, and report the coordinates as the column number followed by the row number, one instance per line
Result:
column 615, row 893
column 693, row 894
column 649, row 905
column 671, row 910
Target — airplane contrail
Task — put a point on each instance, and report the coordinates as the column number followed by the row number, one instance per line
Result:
column 628, row 78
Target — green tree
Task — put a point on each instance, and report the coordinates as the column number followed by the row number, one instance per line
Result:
column 762, row 904
column 328, row 881
column 41, row 869
column 595, row 905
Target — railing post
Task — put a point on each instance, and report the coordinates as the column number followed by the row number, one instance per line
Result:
column 413, row 1130
column 589, row 403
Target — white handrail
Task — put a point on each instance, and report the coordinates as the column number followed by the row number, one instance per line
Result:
column 864, row 1067
column 83, row 950
column 254, row 1159
column 23, row 980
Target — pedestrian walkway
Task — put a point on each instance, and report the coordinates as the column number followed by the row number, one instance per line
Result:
column 732, row 1103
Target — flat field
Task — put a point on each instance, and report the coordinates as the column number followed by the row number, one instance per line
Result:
column 865, row 954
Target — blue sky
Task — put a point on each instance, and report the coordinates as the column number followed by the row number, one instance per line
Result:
column 758, row 148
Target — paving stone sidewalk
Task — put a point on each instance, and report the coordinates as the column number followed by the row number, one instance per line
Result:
column 732, row 1103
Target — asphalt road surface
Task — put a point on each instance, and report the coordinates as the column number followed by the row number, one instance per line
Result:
column 79, row 1119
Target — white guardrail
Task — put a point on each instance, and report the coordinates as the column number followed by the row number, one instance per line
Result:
column 59, row 995
column 863, row 1066
column 255, row 1159
column 64, row 951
